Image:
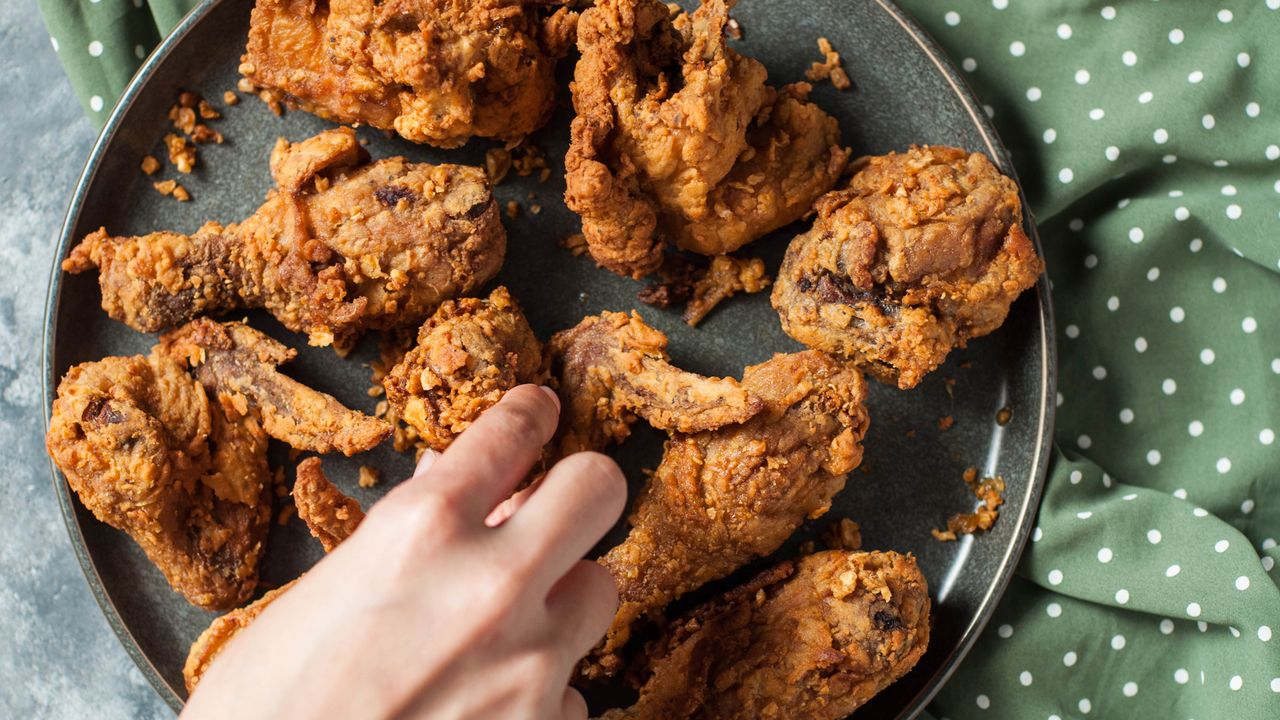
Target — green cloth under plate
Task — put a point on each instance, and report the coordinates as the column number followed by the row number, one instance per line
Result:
column 1146, row 136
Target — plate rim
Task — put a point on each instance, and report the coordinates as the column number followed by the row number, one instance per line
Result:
column 995, row 150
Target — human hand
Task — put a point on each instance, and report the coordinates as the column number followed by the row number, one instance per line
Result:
column 430, row 611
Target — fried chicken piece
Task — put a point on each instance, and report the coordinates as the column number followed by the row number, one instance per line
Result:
column 469, row 354
column 612, row 367
column 342, row 245
column 434, row 71
column 677, row 136
column 726, row 277
column 147, row 453
column 814, row 639
column 239, row 362
column 923, row 251
column 722, row 498
column 331, row 517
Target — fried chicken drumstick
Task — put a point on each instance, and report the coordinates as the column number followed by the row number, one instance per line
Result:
column 342, row 245
column 468, row 355
column 180, row 467
column 814, row 639
column 434, row 71
column 331, row 517
column 722, row 498
column 677, row 137
column 921, row 252
column 613, row 367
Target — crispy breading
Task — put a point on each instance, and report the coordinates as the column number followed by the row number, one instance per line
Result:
column 814, row 639
column 238, row 362
column 434, row 71
column 468, row 355
column 724, row 497
column 678, row 136
column 921, row 252
column 612, row 367
column 342, row 245
column 147, row 453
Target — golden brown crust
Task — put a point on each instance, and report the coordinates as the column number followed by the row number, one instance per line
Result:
column 214, row 639
column 330, row 515
column 147, row 453
column 921, row 252
column 434, row 71
column 724, row 497
column 468, row 355
column 611, row 368
column 239, row 363
column 678, row 136
column 815, row 639
column 342, row 246
column 726, row 277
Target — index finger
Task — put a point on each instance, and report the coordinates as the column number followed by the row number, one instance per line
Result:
column 488, row 460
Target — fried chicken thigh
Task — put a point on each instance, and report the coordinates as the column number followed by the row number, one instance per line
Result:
column 468, row 355
column 182, row 467
column 678, row 138
column 434, row 71
column 921, row 252
column 815, row 639
column 612, row 367
column 722, row 498
column 342, row 245
column 331, row 517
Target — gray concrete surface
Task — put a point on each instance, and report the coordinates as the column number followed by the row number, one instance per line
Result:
column 58, row 657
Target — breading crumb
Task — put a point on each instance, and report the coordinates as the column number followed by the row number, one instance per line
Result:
column 165, row 187
column 575, row 244
column 497, row 163
column 286, row 513
column 230, row 97
column 842, row 534
column 513, row 209
column 180, row 193
column 181, row 154
column 1004, row 415
column 368, row 476
column 726, row 277
column 830, row 68
column 150, row 165
column 945, row 423
column 535, row 208
column 989, row 492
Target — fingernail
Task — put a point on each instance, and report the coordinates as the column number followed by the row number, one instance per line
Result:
column 554, row 397
column 426, row 461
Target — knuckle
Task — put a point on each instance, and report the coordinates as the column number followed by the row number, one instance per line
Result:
column 521, row 421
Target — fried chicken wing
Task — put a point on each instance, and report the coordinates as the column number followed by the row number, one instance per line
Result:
column 237, row 361
column 814, row 639
column 921, row 252
column 147, row 453
column 340, row 246
column 172, row 449
column 331, row 517
column 434, row 71
column 469, row 354
column 678, row 137
column 613, row 367
column 721, row 498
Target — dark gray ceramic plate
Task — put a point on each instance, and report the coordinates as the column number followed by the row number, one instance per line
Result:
column 905, row 92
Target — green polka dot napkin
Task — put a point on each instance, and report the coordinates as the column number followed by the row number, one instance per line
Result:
column 1146, row 136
